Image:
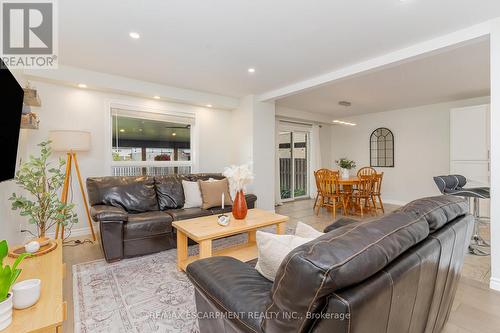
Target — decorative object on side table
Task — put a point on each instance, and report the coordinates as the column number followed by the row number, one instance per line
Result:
column 345, row 167
column 42, row 181
column 70, row 142
column 223, row 219
column 239, row 177
column 8, row 275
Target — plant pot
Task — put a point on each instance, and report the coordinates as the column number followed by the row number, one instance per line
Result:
column 6, row 312
column 240, row 208
column 26, row 293
column 345, row 173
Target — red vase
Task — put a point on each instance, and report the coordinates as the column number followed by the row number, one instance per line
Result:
column 240, row 208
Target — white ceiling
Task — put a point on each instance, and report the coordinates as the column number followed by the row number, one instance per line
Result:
column 458, row 73
column 208, row 45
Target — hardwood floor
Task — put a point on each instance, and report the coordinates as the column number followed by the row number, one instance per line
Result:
column 476, row 307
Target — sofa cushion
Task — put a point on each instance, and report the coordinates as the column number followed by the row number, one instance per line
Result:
column 203, row 176
column 147, row 224
column 187, row 213
column 339, row 259
column 438, row 210
column 211, row 193
column 134, row 194
column 169, row 192
column 192, row 194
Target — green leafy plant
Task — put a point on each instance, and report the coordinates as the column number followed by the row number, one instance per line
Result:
column 43, row 182
column 8, row 275
column 344, row 163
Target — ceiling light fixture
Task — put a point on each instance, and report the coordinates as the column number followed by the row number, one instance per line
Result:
column 340, row 122
column 174, row 134
column 82, row 85
column 156, row 97
column 134, row 35
column 209, row 105
column 251, row 70
column 345, row 103
column 122, row 130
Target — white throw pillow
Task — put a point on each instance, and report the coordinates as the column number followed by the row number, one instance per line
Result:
column 192, row 194
column 273, row 249
column 306, row 231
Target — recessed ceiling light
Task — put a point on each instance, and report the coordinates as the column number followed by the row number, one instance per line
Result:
column 134, row 35
column 156, row 97
column 174, row 134
column 345, row 103
column 251, row 70
column 122, row 130
column 82, row 85
column 209, row 105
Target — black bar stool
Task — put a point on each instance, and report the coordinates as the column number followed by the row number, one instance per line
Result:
column 454, row 185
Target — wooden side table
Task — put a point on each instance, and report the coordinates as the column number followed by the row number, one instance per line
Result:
column 48, row 314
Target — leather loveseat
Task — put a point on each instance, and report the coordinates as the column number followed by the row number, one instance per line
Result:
column 135, row 214
column 398, row 273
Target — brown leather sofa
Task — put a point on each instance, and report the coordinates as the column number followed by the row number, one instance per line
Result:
column 135, row 214
column 398, row 273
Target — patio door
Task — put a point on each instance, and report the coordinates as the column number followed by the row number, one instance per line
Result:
column 293, row 154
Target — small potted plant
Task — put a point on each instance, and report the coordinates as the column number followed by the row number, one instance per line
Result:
column 345, row 167
column 8, row 276
column 42, row 181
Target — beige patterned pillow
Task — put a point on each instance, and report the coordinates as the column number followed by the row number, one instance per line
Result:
column 211, row 193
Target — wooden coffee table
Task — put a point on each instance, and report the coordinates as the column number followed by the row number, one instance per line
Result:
column 204, row 230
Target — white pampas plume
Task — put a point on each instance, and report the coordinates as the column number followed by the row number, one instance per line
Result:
column 238, row 176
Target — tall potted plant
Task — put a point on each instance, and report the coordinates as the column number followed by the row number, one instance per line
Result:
column 8, row 276
column 43, row 181
column 345, row 167
column 239, row 177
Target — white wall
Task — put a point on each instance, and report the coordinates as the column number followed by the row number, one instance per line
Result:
column 80, row 109
column 422, row 147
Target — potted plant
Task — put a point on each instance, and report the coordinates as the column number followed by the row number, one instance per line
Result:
column 345, row 167
column 239, row 177
column 8, row 276
column 42, row 181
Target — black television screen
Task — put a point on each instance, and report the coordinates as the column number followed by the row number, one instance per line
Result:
column 11, row 102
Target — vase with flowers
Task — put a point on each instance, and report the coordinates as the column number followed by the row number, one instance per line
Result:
column 345, row 166
column 239, row 177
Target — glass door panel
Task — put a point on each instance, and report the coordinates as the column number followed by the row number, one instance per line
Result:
column 285, row 161
column 300, row 163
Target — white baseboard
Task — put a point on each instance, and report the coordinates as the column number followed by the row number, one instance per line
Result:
column 77, row 232
column 495, row 283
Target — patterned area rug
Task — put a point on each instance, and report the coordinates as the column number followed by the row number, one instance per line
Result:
column 140, row 295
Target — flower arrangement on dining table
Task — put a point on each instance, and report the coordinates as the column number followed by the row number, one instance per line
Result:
column 345, row 166
column 239, row 177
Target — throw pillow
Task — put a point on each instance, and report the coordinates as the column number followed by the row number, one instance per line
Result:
column 306, row 231
column 272, row 249
column 192, row 194
column 211, row 193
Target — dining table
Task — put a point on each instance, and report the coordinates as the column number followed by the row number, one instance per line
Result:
column 348, row 185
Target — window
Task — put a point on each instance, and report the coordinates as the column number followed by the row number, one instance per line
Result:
column 382, row 148
column 147, row 143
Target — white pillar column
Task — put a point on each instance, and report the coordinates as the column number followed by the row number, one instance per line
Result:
column 495, row 154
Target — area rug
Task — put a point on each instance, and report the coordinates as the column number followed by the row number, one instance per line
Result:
column 140, row 295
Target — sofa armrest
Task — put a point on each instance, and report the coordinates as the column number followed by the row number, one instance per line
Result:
column 231, row 286
column 250, row 199
column 108, row 213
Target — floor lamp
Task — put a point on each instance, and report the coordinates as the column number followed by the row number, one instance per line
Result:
column 71, row 142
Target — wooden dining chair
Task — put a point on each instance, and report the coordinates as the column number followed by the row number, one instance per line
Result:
column 330, row 195
column 363, row 194
column 319, row 174
column 366, row 171
column 376, row 195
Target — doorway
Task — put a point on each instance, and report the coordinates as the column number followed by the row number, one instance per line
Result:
column 294, row 162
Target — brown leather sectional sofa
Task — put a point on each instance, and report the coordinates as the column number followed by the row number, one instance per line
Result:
column 135, row 214
column 398, row 273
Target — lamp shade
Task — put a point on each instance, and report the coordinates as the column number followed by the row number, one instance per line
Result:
column 70, row 140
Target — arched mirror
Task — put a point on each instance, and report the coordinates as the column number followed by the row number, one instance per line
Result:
column 382, row 148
